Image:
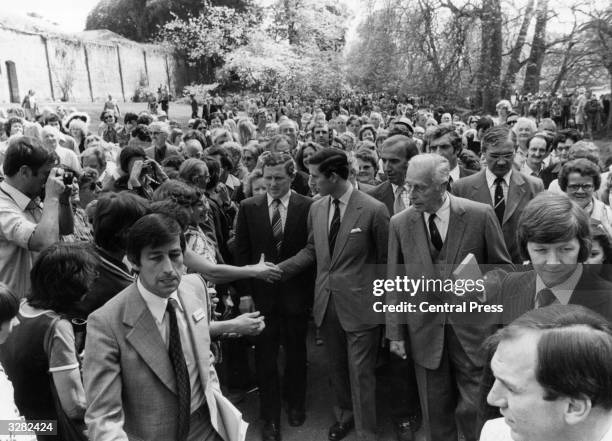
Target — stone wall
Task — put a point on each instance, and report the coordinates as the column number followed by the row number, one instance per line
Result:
column 88, row 66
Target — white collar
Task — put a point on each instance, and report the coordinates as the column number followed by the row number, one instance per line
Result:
column 156, row 304
column 491, row 177
column 444, row 209
column 283, row 200
column 344, row 199
column 455, row 173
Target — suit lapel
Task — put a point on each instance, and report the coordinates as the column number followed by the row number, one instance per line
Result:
column 456, row 228
column 421, row 240
column 198, row 331
column 481, row 190
column 146, row 339
column 263, row 217
column 320, row 220
column 351, row 215
column 516, row 190
column 588, row 294
column 292, row 217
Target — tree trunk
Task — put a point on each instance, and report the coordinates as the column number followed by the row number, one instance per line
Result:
column 514, row 65
column 563, row 69
column 538, row 50
column 490, row 55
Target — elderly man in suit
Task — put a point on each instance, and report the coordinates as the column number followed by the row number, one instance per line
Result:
column 552, row 377
column 160, row 149
column 396, row 152
column 428, row 240
column 347, row 239
column 444, row 140
column 505, row 189
column 275, row 224
column 148, row 370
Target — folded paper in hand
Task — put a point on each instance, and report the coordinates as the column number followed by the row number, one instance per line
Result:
column 232, row 427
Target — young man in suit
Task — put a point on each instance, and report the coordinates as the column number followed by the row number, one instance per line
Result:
column 347, row 240
column 275, row 224
column 498, row 185
column 148, row 371
column 428, row 240
column 444, row 140
column 396, row 151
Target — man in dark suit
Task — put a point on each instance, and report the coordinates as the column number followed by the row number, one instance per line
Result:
column 395, row 153
column 428, row 240
column 347, row 239
column 554, row 234
column 144, row 375
column 275, row 224
column 445, row 141
column 505, row 189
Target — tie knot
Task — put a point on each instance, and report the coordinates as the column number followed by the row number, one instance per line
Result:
column 276, row 202
column 432, row 217
column 337, row 202
column 400, row 189
column 171, row 305
column 499, row 181
column 546, row 297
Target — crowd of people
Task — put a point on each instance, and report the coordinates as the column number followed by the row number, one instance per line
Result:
column 141, row 258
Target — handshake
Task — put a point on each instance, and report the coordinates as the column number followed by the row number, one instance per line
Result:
column 267, row 271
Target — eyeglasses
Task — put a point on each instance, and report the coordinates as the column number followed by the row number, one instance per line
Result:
column 510, row 123
column 497, row 157
column 583, row 187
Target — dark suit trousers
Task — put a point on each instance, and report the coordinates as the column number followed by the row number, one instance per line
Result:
column 291, row 332
column 352, row 361
column 449, row 394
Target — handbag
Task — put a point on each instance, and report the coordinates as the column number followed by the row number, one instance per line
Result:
column 68, row 429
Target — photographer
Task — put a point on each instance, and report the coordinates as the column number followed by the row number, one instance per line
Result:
column 139, row 174
column 26, row 225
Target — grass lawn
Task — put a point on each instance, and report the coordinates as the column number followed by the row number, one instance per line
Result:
column 178, row 112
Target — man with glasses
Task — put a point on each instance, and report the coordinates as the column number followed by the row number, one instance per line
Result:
column 429, row 240
column 505, row 189
column 160, row 148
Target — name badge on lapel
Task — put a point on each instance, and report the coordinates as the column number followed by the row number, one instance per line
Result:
column 199, row 315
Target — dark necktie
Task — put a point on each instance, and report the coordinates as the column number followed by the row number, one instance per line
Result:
column 449, row 184
column 183, row 387
column 544, row 298
column 277, row 225
column 436, row 239
column 334, row 227
column 499, row 203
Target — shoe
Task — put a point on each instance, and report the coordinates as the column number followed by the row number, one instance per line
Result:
column 340, row 430
column 271, row 431
column 296, row 417
column 404, row 431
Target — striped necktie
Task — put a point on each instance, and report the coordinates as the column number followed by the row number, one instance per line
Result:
column 277, row 225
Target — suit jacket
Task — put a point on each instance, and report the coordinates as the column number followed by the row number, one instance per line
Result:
column 359, row 255
column 254, row 236
column 517, row 294
column 521, row 190
column 473, row 228
column 384, row 193
column 129, row 381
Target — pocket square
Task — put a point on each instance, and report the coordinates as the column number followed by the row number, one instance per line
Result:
column 356, row 230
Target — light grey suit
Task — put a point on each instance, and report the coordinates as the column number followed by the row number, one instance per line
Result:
column 343, row 299
column 128, row 376
column 440, row 339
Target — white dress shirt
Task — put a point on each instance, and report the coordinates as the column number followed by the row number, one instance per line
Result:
column 442, row 218
column 282, row 207
column 455, row 173
column 344, row 200
column 491, row 184
column 563, row 291
column 157, row 305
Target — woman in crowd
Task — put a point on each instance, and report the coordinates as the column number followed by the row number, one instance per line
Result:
column 108, row 129
column 524, row 129
column 367, row 132
column 580, row 179
column 246, row 131
column 256, row 183
column 601, row 250
column 353, row 125
column 40, row 355
column 305, row 152
column 368, row 167
column 78, row 130
column 250, row 154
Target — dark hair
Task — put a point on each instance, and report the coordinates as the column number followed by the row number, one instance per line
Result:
column 9, row 305
column 177, row 191
column 224, row 156
column 299, row 157
column 330, row 161
column 445, row 129
column 171, row 209
column 9, row 123
column 272, row 159
column 115, row 214
column 141, row 132
column 469, row 159
column 407, row 144
column 174, row 134
column 583, row 167
column 88, row 176
column 24, row 150
column 214, row 172
column 173, row 162
column 105, row 113
column 54, row 117
column 365, row 128
column 198, row 136
column 566, row 134
column 573, row 352
column 61, row 275
column 550, row 218
column 600, row 234
column 367, row 156
column 484, row 123
column 127, row 154
column 276, row 140
column 152, row 230
column 130, row 117
column 144, row 119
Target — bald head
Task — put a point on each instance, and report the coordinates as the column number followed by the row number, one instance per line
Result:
column 50, row 137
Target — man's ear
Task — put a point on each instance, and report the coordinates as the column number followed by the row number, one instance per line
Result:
column 577, row 410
